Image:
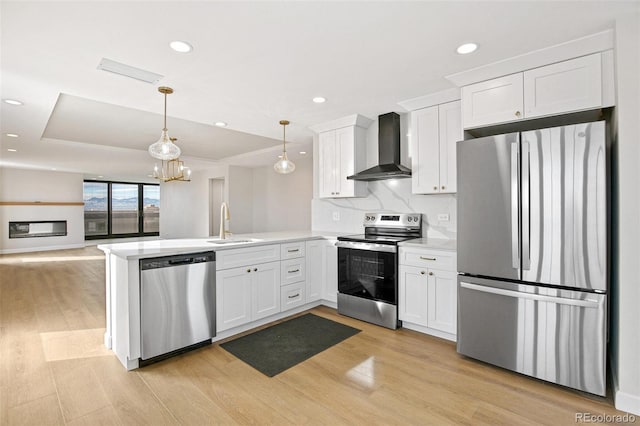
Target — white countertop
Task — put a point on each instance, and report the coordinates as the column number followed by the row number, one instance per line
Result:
column 155, row 248
column 430, row 243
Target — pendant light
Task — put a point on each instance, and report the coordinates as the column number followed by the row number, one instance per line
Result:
column 284, row 165
column 172, row 170
column 164, row 149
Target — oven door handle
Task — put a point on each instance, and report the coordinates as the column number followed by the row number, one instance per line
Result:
column 367, row 246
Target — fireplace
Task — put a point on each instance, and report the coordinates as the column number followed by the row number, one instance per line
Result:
column 40, row 228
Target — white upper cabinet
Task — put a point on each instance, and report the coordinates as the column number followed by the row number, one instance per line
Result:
column 565, row 86
column 435, row 131
column 450, row 126
column 494, row 101
column 575, row 85
column 426, row 152
column 341, row 154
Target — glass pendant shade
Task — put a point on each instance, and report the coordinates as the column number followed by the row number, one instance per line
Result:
column 164, row 148
column 284, row 165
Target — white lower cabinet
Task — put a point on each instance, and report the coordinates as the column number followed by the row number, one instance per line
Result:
column 293, row 275
column 292, row 295
column 322, row 270
column 427, row 291
column 246, row 293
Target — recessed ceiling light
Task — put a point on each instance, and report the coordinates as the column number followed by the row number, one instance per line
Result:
column 12, row 150
column 466, row 48
column 100, row 176
column 303, row 152
column 319, row 99
column 11, row 135
column 12, row 102
column 181, row 46
column 221, row 124
column 53, row 168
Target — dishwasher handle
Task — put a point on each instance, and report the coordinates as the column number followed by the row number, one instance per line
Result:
column 185, row 261
column 176, row 260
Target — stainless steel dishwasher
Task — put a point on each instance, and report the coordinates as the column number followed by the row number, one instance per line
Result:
column 177, row 303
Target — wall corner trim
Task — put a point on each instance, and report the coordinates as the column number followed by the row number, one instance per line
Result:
column 624, row 401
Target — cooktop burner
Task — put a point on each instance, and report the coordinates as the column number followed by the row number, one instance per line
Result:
column 375, row 239
column 388, row 228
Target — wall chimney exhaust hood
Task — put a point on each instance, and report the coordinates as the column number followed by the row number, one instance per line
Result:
column 388, row 152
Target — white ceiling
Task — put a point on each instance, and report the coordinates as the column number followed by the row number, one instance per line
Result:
column 253, row 64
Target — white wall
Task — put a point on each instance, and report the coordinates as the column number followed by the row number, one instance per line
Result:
column 258, row 200
column 241, row 205
column 625, row 283
column 184, row 206
column 46, row 186
column 283, row 202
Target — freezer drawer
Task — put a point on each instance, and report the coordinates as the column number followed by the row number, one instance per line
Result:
column 551, row 334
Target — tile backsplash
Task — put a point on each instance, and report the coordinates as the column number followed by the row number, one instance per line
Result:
column 386, row 196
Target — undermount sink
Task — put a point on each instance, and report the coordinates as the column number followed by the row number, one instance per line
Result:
column 232, row 241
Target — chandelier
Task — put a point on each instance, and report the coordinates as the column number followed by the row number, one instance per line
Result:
column 284, row 165
column 164, row 149
column 172, row 170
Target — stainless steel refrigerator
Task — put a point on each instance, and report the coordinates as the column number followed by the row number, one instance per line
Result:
column 532, row 253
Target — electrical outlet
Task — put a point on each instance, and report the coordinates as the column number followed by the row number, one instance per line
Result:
column 443, row 217
column 336, row 216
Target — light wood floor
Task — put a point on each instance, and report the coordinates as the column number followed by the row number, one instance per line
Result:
column 54, row 370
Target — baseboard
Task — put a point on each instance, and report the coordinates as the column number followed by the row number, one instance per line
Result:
column 430, row 331
column 329, row 303
column 624, row 401
column 47, row 248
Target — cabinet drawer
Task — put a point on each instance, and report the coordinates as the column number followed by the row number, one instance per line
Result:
column 292, row 250
column 433, row 259
column 292, row 270
column 247, row 256
column 292, row 295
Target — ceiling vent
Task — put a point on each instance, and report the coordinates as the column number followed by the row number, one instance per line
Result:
column 129, row 71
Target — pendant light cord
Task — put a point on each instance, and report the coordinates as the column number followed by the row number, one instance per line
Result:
column 284, row 137
column 165, row 112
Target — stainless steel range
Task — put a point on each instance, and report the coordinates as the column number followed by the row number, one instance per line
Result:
column 368, row 267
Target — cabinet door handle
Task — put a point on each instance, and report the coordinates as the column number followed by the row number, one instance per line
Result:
column 249, row 270
column 435, row 188
column 443, row 187
column 430, row 273
column 427, row 258
column 294, row 271
column 421, row 272
column 294, row 296
column 518, row 114
column 292, row 250
column 255, row 269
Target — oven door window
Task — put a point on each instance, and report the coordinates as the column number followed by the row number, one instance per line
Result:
column 367, row 274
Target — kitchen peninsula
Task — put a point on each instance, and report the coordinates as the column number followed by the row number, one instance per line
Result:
column 290, row 269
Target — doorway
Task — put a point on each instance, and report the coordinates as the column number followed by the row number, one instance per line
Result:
column 216, row 197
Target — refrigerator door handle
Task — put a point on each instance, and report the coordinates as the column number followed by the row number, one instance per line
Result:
column 515, row 255
column 526, row 217
column 585, row 303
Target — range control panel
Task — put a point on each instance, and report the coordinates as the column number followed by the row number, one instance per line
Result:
column 393, row 220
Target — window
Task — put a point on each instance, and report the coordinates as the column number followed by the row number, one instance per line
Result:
column 96, row 210
column 120, row 209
